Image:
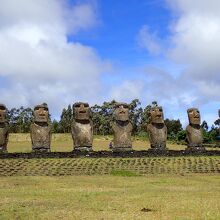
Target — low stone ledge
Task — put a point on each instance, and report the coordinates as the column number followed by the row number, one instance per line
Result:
column 110, row 154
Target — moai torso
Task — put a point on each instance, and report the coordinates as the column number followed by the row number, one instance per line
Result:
column 41, row 137
column 122, row 136
column 194, row 136
column 157, row 135
column 122, row 128
column 82, row 127
column 4, row 130
column 40, row 129
column 157, row 130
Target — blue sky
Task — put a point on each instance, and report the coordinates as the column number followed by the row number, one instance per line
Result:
column 115, row 36
column 61, row 52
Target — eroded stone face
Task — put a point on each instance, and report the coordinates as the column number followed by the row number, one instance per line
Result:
column 4, row 130
column 41, row 113
column 121, row 112
column 122, row 128
column 194, row 116
column 40, row 129
column 82, row 127
column 156, row 129
column 156, row 115
column 81, row 111
column 194, row 135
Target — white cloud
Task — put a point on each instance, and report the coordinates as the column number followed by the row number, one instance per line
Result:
column 127, row 90
column 196, row 43
column 39, row 62
column 149, row 41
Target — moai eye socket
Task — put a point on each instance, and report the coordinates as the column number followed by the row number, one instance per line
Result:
column 36, row 108
column 2, row 107
column 45, row 109
column 86, row 105
column 77, row 105
column 190, row 111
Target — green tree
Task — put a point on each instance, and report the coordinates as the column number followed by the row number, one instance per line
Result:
column 20, row 119
column 173, row 127
column 66, row 120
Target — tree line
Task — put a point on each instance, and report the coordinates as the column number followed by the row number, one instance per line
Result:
column 20, row 119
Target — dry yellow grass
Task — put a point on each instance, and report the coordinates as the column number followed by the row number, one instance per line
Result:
column 96, row 197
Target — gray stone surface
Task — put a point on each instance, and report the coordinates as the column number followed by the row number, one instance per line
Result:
column 82, row 127
column 40, row 130
column 194, row 135
column 4, row 130
column 122, row 128
column 219, row 125
column 156, row 129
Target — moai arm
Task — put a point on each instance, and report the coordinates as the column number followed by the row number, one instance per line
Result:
column 7, row 136
column 113, row 127
column 166, row 131
column 149, row 132
column 131, row 127
column 50, row 133
column 91, row 123
column 187, row 134
column 31, row 134
column 73, row 131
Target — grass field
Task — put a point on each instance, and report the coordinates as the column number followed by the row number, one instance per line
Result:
column 179, row 188
column 111, row 197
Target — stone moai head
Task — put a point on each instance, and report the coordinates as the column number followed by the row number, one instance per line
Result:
column 156, row 115
column 121, row 112
column 3, row 113
column 41, row 113
column 81, row 111
column 194, row 116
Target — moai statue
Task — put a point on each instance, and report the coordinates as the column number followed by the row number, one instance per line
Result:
column 82, row 127
column 156, row 129
column 122, row 128
column 218, row 135
column 194, row 136
column 219, row 119
column 40, row 129
column 3, row 129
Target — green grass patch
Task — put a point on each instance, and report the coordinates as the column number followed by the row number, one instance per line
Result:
column 123, row 173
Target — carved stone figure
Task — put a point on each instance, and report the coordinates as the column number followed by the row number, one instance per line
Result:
column 122, row 128
column 82, row 127
column 3, row 129
column 157, row 130
column 194, row 136
column 219, row 119
column 40, row 129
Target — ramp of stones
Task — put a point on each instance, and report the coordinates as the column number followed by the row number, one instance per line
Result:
column 101, row 166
